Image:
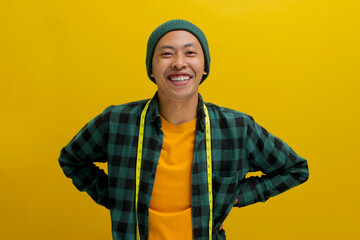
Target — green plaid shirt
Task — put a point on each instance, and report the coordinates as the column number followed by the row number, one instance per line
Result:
column 239, row 146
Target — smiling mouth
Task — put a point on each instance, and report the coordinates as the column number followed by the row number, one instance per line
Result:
column 181, row 78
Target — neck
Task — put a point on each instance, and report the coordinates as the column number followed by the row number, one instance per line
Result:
column 178, row 111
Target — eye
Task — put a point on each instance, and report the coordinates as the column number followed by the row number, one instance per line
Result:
column 190, row 53
column 166, row 54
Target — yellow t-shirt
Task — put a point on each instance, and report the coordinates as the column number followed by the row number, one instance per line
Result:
column 170, row 205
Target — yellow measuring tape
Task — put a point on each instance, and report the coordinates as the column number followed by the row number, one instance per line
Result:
column 208, row 163
column 138, row 163
column 209, row 168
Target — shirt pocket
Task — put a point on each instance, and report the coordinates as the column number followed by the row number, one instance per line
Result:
column 224, row 196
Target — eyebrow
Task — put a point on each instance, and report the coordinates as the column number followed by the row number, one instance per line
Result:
column 173, row 48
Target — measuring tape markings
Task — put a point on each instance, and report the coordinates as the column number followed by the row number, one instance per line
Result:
column 138, row 163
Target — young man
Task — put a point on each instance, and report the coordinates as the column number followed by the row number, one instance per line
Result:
column 177, row 165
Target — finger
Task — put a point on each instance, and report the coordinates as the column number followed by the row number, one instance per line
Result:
column 221, row 227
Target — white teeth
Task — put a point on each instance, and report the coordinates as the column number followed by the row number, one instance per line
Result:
column 179, row 79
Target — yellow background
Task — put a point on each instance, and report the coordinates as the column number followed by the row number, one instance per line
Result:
column 294, row 65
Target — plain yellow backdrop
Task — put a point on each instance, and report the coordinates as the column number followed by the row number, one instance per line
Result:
column 294, row 65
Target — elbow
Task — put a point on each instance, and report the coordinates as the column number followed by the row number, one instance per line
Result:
column 63, row 158
column 303, row 173
column 299, row 173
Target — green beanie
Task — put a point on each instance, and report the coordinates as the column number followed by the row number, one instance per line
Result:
column 172, row 25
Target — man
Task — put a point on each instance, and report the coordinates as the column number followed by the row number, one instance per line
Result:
column 177, row 166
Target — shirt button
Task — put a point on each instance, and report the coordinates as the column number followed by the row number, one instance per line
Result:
column 159, row 147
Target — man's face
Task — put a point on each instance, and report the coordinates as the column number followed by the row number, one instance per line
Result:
column 178, row 65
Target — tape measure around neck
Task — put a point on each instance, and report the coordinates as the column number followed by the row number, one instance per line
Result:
column 208, row 165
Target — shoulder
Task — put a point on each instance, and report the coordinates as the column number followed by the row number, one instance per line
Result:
column 218, row 112
column 122, row 113
column 131, row 108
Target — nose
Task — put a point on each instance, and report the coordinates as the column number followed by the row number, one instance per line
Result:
column 179, row 61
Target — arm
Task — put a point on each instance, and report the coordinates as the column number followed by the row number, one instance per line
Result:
column 77, row 158
column 283, row 168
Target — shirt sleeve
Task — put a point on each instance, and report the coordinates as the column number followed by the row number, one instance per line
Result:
column 78, row 156
column 282, row 167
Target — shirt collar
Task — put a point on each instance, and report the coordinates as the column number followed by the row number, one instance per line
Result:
column 201, row 113
column 155, row 113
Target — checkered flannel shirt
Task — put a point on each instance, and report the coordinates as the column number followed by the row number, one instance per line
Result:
column 239, row 146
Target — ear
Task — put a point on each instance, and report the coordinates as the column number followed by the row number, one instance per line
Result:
column 204, row 73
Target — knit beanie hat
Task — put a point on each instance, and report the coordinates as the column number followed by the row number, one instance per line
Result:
column 172, row 25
